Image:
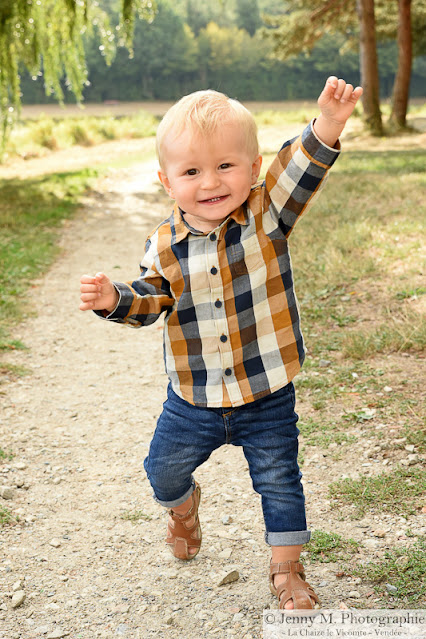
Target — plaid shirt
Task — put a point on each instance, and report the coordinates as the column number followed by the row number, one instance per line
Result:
column 232, row 329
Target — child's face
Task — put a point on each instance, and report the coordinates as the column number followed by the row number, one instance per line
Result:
column 209, row 177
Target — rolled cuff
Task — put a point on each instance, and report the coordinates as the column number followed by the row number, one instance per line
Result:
column 290, row 538
column 175, row 502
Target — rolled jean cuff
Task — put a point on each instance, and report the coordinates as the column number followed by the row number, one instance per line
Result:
column 176, row 502
column 290, row 538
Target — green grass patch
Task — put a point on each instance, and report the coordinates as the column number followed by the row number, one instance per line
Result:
column 399, row 492
column 277, row 117
column 397, row 163
column 31, row 212
column 32, row 137
column 6, row 516
column 401, row 333
column 326, row 547
column 135, row 516
column 6, row 455
column 317, row 433
column 403, row 568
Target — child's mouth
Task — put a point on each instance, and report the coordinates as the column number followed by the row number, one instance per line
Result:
column 214, row 200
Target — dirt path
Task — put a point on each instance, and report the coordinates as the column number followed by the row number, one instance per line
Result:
column 88, row 551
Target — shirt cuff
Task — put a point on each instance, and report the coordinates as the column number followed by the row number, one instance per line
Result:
column 122, row 308
column 320, row 152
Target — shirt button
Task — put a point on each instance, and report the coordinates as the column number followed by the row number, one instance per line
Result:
column 218, row 303
column 213, row 237
column 228, row 371
column 213, row 270
column 223, row 338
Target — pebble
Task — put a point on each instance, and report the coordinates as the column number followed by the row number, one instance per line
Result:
column 55, row 543
column 20, row 466
column 6, row 492
column 122, row 629
column 225, row 554
column 42, row 630
column 57, row 633
column 379, row 533
column 391, row 589
column 18, row 599
column 17, row 586
column 234, row 575
column 227, row 519
column 354, row 594
column 323, row 363
column 371, row 543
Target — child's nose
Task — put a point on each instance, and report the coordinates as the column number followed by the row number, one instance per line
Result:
column 210, row 180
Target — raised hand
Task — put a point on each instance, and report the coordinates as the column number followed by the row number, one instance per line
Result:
column 338, row 100
column 97, row 293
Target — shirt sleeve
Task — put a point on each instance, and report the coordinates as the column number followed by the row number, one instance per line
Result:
column 296, row 176
column 142, row 301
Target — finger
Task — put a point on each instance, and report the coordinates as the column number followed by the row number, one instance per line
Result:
column 89, row 288
column 341, row 84
column 86, row 306
column 88, row 297
column 101, row 278
column 356, row 94
column 332, row 81
column 346, row 95
column 87, row 279
column 330, row 87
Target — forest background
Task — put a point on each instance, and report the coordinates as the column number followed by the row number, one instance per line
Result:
column 192, row 44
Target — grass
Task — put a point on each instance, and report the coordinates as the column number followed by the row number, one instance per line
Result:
column 403, row 568
column 6, row 455
column 399, row 492
column 319, row 433
column 135, row 516
column 31, row 214
column 33, row 137
column 325, row 547
column 6, row 516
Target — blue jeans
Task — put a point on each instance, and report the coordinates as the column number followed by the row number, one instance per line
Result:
column 186, row 435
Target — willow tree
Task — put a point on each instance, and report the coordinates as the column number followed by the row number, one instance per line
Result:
column 46, row 37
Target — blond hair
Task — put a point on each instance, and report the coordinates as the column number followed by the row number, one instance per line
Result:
column 205, row 111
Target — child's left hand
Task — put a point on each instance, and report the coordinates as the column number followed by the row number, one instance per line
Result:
column 338, row 100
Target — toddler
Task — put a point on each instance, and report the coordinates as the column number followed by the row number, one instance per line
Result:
column 220, row 269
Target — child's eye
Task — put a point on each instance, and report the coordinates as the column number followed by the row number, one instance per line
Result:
column 191, row 172
column 225, row 165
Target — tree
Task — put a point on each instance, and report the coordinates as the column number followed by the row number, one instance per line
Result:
column 369, row 66
column 307, row 21
column 248, row 16
column 46, row 37
column 405, row 60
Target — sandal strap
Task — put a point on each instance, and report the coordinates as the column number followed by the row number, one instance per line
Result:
column 179, row 535
column 286, row 567
column 295, row 588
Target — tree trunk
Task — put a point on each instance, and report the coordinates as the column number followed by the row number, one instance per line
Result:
column 401, row 87
column 369, row 67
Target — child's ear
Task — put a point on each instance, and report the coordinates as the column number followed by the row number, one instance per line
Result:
column 255, row 169
column 166, row 183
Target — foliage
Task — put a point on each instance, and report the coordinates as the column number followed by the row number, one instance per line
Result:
column 403, row 568
column 398, row 492
column 31, row 211
column 46, row 37
column 307, row 21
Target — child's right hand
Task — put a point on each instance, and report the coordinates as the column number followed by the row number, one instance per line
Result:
column 97, row 293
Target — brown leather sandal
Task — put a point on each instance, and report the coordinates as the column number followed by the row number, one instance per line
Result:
column 180, row 537
column 295, row 588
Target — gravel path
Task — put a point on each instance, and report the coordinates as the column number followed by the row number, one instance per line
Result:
column 88, row 551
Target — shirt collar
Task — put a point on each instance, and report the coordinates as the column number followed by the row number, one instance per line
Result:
column 182, row 228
